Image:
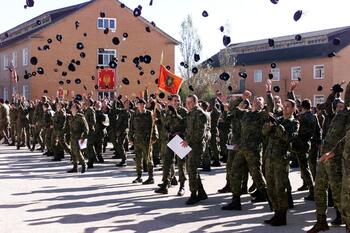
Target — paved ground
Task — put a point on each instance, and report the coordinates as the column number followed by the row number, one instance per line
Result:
column 39, row 196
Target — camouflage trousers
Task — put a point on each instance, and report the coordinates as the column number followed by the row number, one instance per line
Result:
column 276, row 174
column 345, row 192
column 192, row 164
column 38, row 135
column 13, row 130
column 313, row 156
column 205, row 158
column 223, row 136
column 305, row 170
column 48, row 141
column 169, row 160
column 90, row 148
column 23, row 135
column 143, row 154
column 76, row 153
column 253, row 160
column 229, row 171
column 328, row 174
column 4, row 130
column 119, row 146
column 59, row 143
column 213, row 147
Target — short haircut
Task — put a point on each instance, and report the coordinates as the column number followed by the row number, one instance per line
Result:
column 292, row 102
column 193, row 97
column 306, row 104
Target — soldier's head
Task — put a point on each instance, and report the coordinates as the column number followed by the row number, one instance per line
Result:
column 141, row 105
column 258, row 103
column 46, row 107
column 75, row 108
column 191, row 102
column 306, row 105
column 175, row 101
column 277, row 100
column 44, row 99
column 289, row 107
column 245, row 104
column 339, row 105
column 98, row 105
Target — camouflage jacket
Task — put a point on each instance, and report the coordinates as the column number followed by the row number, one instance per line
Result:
column 79, row 128
column 196, row 126
column 59, row 121
column 90, row 117
column 141, row 127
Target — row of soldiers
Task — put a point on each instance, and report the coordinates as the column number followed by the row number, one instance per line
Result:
column 251, row 137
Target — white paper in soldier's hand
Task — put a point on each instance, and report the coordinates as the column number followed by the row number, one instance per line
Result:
column 179, row 150
column 83, row 145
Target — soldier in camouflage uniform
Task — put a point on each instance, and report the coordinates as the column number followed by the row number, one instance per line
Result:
column 280, row 132
column 90, row 116
column 102, row 122
column 196, row 124
column 174, row 124
column 250, row 150
column 23, row 134
column 122, row 124
column 48, row 124
column 4, row 121
column 13, row 123
column 58, row 139
column 79, row 130
column 143, row 133
column 215, row 115
column 38, row 119
column 329, row 172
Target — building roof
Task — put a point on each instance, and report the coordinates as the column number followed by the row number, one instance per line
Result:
column 30, row 27
column 313, row 44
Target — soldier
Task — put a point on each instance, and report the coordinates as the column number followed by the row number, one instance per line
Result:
column 90, row 117
column 250, row 150
column 302, row 144
column 206, row 155
column 13, row 123
column 174, row 124
column 4, row 121
column 215, row 115
column 23, row 134
column 280, row 132
column 38, row 119
column 102, row 122
column 196, row 124
column 122, row 124
column 142, row 134
column 58, row 140
column 329, row 172
column 48, row 124
column 79, row 130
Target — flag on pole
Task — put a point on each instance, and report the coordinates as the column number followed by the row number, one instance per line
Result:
column 169, row 82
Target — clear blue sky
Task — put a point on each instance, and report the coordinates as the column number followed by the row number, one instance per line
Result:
column 248, row 19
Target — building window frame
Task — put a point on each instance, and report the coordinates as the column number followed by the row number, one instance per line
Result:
column 107, row 57
column 322, row 72
column 276, row 72
column 25, row 91
column 25, row 57
column 258, row 76
column 103, row 23
column 6, row 62
column 317, row 101
column 293, row 78
column 14, row 59
column 6, row 93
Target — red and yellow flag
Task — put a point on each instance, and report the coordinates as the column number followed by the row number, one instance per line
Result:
column 169, row 82
column 106, row 79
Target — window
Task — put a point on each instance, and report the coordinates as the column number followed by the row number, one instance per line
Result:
column 104, row 56
column 26, row 91
column 6, row 62
column 242, row 85
column 276, row 74
column 14, row 59
column 6, row 93
column 103, row 23
column 296, row 73
column 25, row 57
column 319, row 72
column 258, row 76
column 14, row 90
column 318, row 99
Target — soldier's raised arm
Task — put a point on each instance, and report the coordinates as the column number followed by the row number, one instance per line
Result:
column 269, row 97
column 290, row 93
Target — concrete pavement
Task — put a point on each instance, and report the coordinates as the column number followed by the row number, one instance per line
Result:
column 38, row 196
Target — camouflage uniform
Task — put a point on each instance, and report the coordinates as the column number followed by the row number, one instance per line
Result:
column 213, row 143
column 4, row 121
column 345, row 191
column 59, row 143
column 79, row 129
column 280, row 137
column 90, row 117
column 48, row 124
column 23, row 134
column 102, row 122
column 38, row 119
column 122, row 124
column 140, row 134
column 196, row 124
column 13, row 124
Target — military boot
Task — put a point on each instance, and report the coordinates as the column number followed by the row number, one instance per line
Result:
column 150, row 180
column 137, row 180
column 90, row 164
column 311, row 196
column 280, row 219
column 338, row 220
column 121, row 164
column 100, row 159
column 234, row 205
column 303, row 187
column 268, row 221
column 174, row 181
column 193, row 199
column 83, row 168
column 202, row 195
column 225, row 189
column 162, row 190
column 252, row 188
column 181, row 191
column 347, row 228
column 290, row 200
column 260, row 197
column 73, row 170
column 321, row 224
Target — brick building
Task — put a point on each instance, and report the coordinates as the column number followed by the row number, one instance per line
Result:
column 319, row 58
column 84, row 23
